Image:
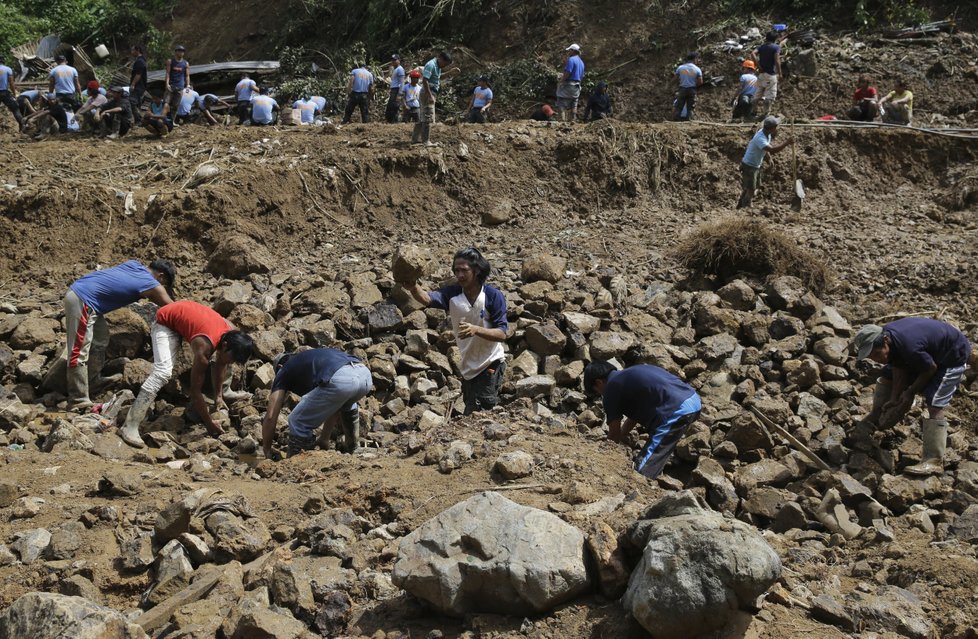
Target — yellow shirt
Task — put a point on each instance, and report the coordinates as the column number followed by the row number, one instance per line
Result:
column 893, row 95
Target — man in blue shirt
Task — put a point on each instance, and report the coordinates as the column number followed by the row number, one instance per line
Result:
column 479, row 321
column 320, row 103
column 330, row 383
column 188, row 100
column 8, row 89
column 768, row 59
column 746, row 89
column 29, row 101
column 430, row 85
column 307, row 109
column 645, row 396
column 63, row 82
column 89, row 299
column 397, row 81
column 411, row 97
column 361, row 89
column 177, row 77
column 688, row 77
column 480, row 101
column 750, row 166
column 207, row 104
column 263, row 109
column 243, row 93
column 569, row 87
column 922, row 356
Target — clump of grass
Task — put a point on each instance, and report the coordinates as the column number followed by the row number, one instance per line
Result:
column 735, row 245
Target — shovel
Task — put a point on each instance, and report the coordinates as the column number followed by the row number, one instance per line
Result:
column 798, row 197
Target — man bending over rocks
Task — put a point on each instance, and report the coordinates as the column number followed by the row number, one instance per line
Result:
column 921, row 356
column 647, row 396
column 330, row 383
column 89, row 298
column 209, row 335
column 478, row 315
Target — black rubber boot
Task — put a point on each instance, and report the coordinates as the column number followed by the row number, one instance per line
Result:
column 351, row 429
column 300, row 444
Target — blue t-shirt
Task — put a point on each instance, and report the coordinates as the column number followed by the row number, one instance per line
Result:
column 748, row 84
column 178, row 73
column 305, row 371
column 6, row 75
column 31, row 95
column 187, row 99
column 689, row 75
column 362, row 80
column 397, row 77
column 645, row 393
column 261, row 109
column 202, row 100
column 766, row 56
column 308, row 110
column 482, row 97
column 574, row 68
column 754, row 156
column 243, row 90
column 320, row 102
column 412, row 95
column 112, row 288
column 432, row 73
column 918, row 342
column 64, row 78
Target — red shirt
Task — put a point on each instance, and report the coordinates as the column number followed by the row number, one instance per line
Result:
column 190, row 320
column 868, row 93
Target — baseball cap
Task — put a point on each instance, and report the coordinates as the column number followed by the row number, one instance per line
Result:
column 414, row 74
column 863, row 342
column 92, row 85
column 179, row 47
column 771, row 120
column 574, row 47
column 280, row 359
column 395, row 57
column 548, row 110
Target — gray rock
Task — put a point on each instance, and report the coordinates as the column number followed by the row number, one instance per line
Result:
column 697, row 570
column 458, row 453
column 891, row 609
column 384, row 318
column 611, row 344
column 79, row 586
column 35, row 332
column 545, row 339
column 14, row 413
column 738, row 295
column 263, row 623
column 237, row 538
column 65, row 540
column 7, row 558
column 832, row 350
column 64, row 436
column 717, row 347
column 581, row 323
column 514, row 465
column 173, row 571
column 137, row 553
column 45, row 615
column 965, row 526
column 29, row 545
column 535, row 385
column 489, row 554
column 546, row 268
column 231, row 296
column 411, row 263
column 291, row 590
column 570, row 374
column 237, row 256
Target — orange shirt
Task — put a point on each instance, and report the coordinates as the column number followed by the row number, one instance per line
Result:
column 190, row 320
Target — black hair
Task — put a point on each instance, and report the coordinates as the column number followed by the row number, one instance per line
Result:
column 598, row 369
column 169, row 272
column 692, row 55
column 445, row 55
column 771, row 36
column 478, row 263
column 239, row 344
column 139, row 48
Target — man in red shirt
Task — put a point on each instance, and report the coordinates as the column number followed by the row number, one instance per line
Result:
column 209, row 335
column 865, row 101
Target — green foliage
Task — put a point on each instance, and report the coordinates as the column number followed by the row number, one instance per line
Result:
column 527, row 79
column 862, row 14
column 17, row 28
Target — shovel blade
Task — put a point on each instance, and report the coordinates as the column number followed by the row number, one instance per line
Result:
column 799, row 196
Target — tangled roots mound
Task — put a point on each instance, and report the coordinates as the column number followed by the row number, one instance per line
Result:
column 736, row 245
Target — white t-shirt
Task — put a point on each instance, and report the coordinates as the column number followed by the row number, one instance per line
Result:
column 488, row 310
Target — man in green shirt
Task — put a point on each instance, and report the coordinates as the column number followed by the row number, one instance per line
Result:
column 430, row 85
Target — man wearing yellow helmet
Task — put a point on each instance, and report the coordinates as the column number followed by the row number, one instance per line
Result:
column 746, row 90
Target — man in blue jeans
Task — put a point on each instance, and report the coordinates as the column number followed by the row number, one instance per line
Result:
column 646, row 396
column 689, row 77
column 330, row 383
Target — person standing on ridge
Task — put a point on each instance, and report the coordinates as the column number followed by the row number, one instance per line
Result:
column 569, row 87
column 480, row 101
column 361, row 90
column 689, row 77
column 63, row 82
column 177, row 77
column 430, row 85
column 397, row 81
column 750, row 166
column 768, row 59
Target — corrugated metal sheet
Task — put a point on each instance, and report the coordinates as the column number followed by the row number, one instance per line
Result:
column 252, row 66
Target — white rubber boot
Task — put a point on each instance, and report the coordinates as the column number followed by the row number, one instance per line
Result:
column 935, row 443
column 137, row 415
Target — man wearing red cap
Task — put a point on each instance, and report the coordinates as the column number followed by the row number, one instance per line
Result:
column 89, row 113
column 410, row 97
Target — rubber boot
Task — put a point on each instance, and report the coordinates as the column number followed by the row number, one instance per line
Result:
column 232, row 395
column 881, row 395
column 416, row 133
column 78, row 388
column 426, row 133
column 935, row 443
column 300, row 444
column 137, row 415
column 351, row 429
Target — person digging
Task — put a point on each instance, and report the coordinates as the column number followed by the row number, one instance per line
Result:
column 330, row 383
column 209, row 336
column 921, row 356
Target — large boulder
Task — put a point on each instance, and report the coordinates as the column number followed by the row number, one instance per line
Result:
column 238, row 256
column 697, row 570
column 35, row 332
column 128, row 332
column 489, row 554
column 411, row 263
column 546, row 268
column 45, row 615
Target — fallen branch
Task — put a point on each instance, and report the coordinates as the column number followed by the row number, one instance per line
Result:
column 882, row 318
column 507, row 487
column 800, row 447
column 312, row 197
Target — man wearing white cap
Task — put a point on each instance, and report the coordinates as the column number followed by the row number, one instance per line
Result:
column 569, row 87
column 750, row 166
column 922, row 356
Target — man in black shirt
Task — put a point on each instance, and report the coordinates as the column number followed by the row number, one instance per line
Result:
column 137, row 81
column 51, row 118
column 116, row 114
column 599, row 104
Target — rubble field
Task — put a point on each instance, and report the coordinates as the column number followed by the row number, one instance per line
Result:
column 521, row 521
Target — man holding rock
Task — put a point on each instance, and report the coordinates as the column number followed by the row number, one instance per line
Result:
column 330, row 383
column 89, row 298
column 209, row 335
column 646, row 396
column 478, row 315
column 921, row 356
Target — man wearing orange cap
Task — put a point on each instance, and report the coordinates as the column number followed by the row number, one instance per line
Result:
column 410, row 97
column 744, row 100
column 544, row 114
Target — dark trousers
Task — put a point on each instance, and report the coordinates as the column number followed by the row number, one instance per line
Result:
column 361, row 100
column 687, row 99
column 650, row 462
column 412, row 115
column 68, row 100
column 11, row 103
column 744, row 107
column 244, row 111
column 136, row 101
column 749, row 182
column 482, row 391
column 391, row 114
column 477, row 115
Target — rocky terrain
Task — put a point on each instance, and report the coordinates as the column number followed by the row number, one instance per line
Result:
column 523, row 521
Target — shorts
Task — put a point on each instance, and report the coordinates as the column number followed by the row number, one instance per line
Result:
column 767, row 86
column 942, row 386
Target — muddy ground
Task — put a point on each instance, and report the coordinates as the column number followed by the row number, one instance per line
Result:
column 892, row 212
